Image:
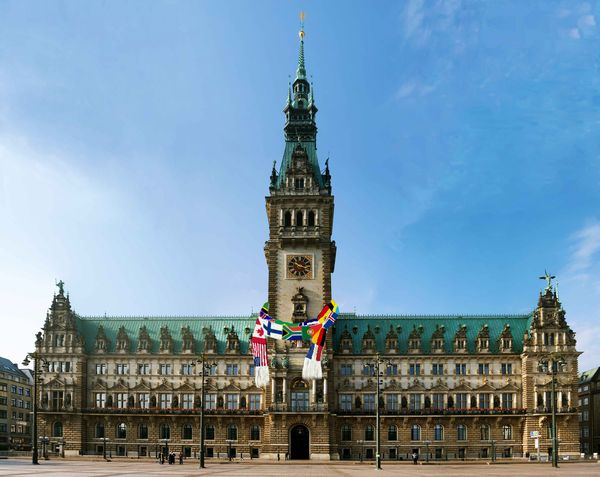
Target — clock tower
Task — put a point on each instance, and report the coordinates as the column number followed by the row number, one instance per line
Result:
column 300, row 253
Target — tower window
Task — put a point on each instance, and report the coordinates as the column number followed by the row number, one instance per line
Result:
column 299, row 183
column 311, row 218
column 299, row 218
column 287, row 219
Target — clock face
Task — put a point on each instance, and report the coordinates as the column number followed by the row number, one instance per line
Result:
column 299, row 266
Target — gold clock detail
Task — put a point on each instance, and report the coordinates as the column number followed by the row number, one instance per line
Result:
column 299, row 266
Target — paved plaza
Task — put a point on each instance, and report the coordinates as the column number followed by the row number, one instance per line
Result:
column 55, row 468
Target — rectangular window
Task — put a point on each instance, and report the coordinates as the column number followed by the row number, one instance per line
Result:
column 144, row 400
column 391, row 402
column 100, row 400
column 345, row 402
column 251, row 370
column 346, row 370
column 165, row 400
column 122, row 368
column 369, row 402
column 484, row 401
column 299, row 400
column 57, row 399
column 254, row 402
column 187, row 369
column 212, row 371
column 231, row 370
column 165, row 369
column 438, row 401
column 460, row 369
column 585, row 416
column 101, row 368
column 121, row 400
column 143, row 368
column 187, row 401
column 507, row 400
column 461, row 401
column 506, row 368
column 211, row 401
column 232, row 401
column 392, row 370
column 13, row 389
column 549, row 339
column 20, row 391
column 415, row 402
column 483, row 369
column 437, row 369
column 414, row 369
column 368, row 370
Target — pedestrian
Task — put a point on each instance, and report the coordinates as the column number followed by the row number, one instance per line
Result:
column 180, row 458
column 415, row 457
column 278, row 458
column 241, row 456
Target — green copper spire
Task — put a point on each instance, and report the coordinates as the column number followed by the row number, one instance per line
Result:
column 301, row 70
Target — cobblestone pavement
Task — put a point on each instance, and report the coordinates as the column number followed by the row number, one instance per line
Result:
column 56, row 468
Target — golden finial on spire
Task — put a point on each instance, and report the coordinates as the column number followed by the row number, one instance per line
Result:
column 301, row 32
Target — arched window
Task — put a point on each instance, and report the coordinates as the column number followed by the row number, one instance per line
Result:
column 232, row 432
column 143, row 431
column 311, row 218
column 164, row 431
column 255, row 433
column 186, row 431
column 485, row 433
column 438, row 432
column 461, row 432
column 369, row 433
column 209, row 433
column 100, row 430
column 121, row 431
column 346, row 433
column 507, row 432
column 57, row 429
column 392, row 433
column 299, row 218
column 287, row 219
column 415, row 432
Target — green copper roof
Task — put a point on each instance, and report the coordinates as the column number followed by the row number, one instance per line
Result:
column 311, row 150
column 357, row 326
column 301, row 70
column 243, row 326
column 589, row 375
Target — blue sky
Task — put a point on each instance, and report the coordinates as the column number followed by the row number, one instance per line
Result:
column 136, row 143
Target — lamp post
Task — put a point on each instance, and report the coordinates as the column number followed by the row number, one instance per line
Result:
column 360, row 442
column 165, row 449
column 551, row 364
column 377, row 365
column 229, row 442
column 204, row 366
column 104, row 439
column 427, row 450
column 36, row 359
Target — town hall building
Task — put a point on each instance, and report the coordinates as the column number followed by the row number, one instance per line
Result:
column 451, row 386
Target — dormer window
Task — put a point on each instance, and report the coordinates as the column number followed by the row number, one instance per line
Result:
column 101, row 340
column 299, row 183
column 483, row 339
column 144, row 340
column 506, row 340
column 210, row 341
column 391, row 340
column 233, row 342
column 437, row 339
column 437, row 345
column 122, row 340
column 187, row 340
column 460, row 339
column 368, row 341
column 414, row 339
column 166, row 341
column 346, row 342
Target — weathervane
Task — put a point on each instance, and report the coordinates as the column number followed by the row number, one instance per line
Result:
column 301, row 32
column 548, row 278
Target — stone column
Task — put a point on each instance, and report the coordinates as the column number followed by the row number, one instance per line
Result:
column 284, row 391
column 272, row 390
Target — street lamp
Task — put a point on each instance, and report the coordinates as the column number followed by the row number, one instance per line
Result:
column 361, row 443
column 165, row 449
column 104, row 440
column 551, row 364
column 36, row 359
column 427, row 450
column 204, row 367
column 229, row 442
column 377, row 365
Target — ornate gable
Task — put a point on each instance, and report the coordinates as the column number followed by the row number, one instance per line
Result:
column 233, row 341
column 437, row 339
column 505, row 340
column 368, row 341
column 210, row 340
column 102, row 342
column 345, row 341
column 187, row 340
column 166, row 340
column 414, row 339
column 164, row 386
column 460, row 339
column 141, row 386
column 391, row 339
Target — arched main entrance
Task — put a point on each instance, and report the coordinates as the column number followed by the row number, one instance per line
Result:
column 299, row 442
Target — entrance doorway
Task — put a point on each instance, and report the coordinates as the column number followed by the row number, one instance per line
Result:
column 299, row 442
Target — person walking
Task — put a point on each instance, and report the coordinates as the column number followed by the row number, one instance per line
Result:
column 180, row 458
column 415, row 457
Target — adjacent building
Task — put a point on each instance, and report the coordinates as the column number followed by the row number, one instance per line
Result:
column 15, row 407
column 589, row 411
column 454, row 386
